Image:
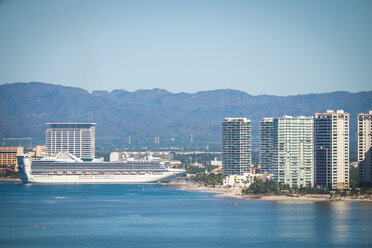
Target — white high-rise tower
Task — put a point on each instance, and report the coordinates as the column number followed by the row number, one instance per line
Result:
column 75, row 138
column 236, row 145
column 293, row 153
column 331, row 147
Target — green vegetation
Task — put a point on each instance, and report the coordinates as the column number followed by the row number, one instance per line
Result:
column 209, row 180
column 194, row 170
column 146, row 113
column 203, row 158
column 198, row 170
column 363, row 188
column 272, row 188
column 8, row 172
column 353, row 177
column 266, row 188
column 355, row 186
column 310, row 190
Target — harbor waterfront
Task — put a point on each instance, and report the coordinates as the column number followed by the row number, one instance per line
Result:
column 120, row 215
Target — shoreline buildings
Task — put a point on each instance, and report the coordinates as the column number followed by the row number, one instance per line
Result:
column 8, row 156
column 310, row 151
column 77, row 139
column 287, row 149
column 236, row 145
column 365, row 147
column 331, row 144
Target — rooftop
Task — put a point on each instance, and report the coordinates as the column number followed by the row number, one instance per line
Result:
column 296, row 117
column 9, row 148
column 70, row 123
column 331, row 112
column 268, row 119
column 369, row 113
column 237, row 119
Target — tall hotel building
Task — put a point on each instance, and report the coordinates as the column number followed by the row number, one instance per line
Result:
column 364, row 147
column 331, row 144
column 266, row 145
column 291, row 160
column 75, row 138
column 236, row 145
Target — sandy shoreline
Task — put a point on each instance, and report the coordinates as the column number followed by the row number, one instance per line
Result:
column 236, row 193
column 10, row 179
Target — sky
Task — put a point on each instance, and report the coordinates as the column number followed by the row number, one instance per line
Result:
column 274, row 47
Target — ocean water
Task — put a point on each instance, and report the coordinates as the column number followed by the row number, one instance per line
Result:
column 151, row 216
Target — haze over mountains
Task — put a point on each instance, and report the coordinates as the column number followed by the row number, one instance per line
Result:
column 144, row 114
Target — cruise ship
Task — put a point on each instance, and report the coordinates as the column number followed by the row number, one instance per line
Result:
column 66, row 168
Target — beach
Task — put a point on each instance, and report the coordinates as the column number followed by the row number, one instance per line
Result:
column 10, row 179
column 221, row 192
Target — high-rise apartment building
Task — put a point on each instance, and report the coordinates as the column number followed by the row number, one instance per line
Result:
column 365, row 147
column 266, row 145
column 293, row 151
column 75, row 138
column 331, row 148
column 236, row 145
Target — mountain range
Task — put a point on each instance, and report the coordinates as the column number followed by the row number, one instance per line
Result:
column 145, row 114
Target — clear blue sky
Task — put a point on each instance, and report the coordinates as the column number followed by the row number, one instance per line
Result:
column 261, row 47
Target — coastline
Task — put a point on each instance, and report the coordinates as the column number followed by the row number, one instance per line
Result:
column 236, row 193
column 10, row 179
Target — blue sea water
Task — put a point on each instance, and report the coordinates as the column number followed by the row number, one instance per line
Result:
column 150, row 216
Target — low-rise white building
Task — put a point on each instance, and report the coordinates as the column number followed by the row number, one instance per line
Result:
column 244, row 180
column 199, row 165
column 174, row 163
column 216, row 162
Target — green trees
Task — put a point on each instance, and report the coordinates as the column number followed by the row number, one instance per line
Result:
column 6, row 172
column 194, row 170
column 353, row 177
column 272, row 188
column 209, row 180
column 266, row 188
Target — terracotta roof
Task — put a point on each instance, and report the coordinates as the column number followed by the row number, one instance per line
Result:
column 9, row 149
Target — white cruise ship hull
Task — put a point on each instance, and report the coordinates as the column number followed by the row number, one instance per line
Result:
column 164, row 177
column 104, row 175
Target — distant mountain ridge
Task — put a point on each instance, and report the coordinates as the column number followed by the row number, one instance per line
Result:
column 144, row 114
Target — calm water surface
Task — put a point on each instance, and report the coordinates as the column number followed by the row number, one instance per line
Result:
column 151, row 216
